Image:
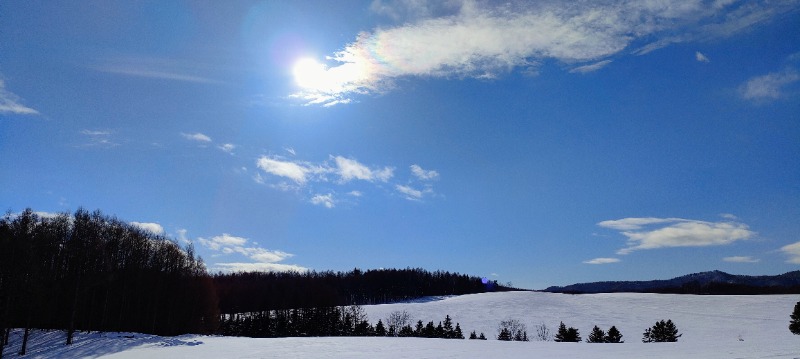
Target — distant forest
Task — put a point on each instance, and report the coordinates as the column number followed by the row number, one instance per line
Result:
column 90, row 271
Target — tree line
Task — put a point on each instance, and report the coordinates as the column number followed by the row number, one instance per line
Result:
column 89, row 271
column 261, row 291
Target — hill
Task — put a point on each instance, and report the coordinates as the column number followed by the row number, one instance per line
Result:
column 713, row 282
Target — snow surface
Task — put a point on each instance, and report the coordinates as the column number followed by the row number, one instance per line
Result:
column 712, row 327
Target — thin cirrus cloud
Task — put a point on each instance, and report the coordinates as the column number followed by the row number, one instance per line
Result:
column 741, row 259
column 602, row 261
column 655, row 233
column 483, row 39
column 197, row 137
column 156, row 68
column 12, row 104
column 288, row 175
column 261, row 259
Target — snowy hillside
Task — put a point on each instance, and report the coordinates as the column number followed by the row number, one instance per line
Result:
column 712, row 327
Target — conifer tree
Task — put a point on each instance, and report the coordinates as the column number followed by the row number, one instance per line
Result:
column 596, row 336
column 380, row 329
column 613, row 335
column 662, row 331
column 504, row 335
column 457, row 333
column 567, row 335
column 561, row 334
column 482, row 337
column 794, row 324
column 473, row 335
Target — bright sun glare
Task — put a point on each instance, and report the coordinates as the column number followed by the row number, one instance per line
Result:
column 310, row 74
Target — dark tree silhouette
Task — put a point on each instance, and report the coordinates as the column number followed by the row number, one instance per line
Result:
column 662, row 331
column 794, row 324
column 596, row 336
column 613, row 335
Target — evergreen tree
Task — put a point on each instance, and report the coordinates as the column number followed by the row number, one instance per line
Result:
column 447, row 328
column 419, row 330
column 406, row 331
column 596, row 336
column 457, row 334
column 429, row 331
column 504, row 334
column 613, row 335
column 473, row 335
column 662, row 331
column 481, row 337
column 567, row 335
column 794, row 324
column 380, row 330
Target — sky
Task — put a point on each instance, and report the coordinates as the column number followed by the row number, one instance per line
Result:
column 538, row 143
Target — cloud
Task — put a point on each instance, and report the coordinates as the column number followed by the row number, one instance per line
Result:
column 769, row 86
column 349, row 169
column 654, row 233
column 11, row 103
column 291, row 170
column 323, row 200
column 262, row 259
column 424, row 174
column 793, row 251
column 602, row 261
column 700, row 57
column 156, row 68
column 591, row 67
column 409, row 192
column 741, row 259
column 199, row 137
column 484, row 39
column 227, row 147
column 98, row 138
column 339, row 171
column 151, row 227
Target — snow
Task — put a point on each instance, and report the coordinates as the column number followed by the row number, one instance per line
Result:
column 712, row 327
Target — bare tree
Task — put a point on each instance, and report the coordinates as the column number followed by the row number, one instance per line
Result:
column 396, row 321
column 543, row 333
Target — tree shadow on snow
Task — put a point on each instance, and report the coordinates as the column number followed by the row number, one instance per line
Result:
column 51, row 343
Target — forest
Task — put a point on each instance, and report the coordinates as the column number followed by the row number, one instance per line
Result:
column 90, row 271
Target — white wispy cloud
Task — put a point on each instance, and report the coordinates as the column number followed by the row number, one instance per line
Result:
column 653, row 233
column 198, row 137
column 227, row 147
column 149, row 226
column 793, row 251
column 422, row 174
column 350, row 169
column 410, row 193
column 98, row 138
column 325, row 200
column 602, row 261
column 741, row 259
column 262, row 259
column 157, row 68
column 483, row 39
column 292, row 175
column 12, row 104
column 769, row 86
column 699, row 56
column 590, row 67
column 292, row 170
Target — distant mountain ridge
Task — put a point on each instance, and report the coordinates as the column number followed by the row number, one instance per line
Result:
column 713, row 282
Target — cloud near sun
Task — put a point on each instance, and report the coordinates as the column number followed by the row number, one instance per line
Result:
column 653, row 233
column 483, row 39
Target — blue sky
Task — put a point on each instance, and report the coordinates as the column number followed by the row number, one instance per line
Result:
column 536, row 143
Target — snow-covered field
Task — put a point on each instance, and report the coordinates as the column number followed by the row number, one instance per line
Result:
column 712, row 327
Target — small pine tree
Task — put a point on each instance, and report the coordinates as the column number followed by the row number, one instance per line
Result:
column 794, row 324
column 481, row 337
column 380, row 329
column 457, row 333
column 561, row 333
column 447, row 328
column 596, row 336
column 473, row 335
column 406, row 331
column 505, row 335
column 613, row 335
column 419, row 330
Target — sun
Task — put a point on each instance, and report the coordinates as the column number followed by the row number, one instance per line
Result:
column 311, row 74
